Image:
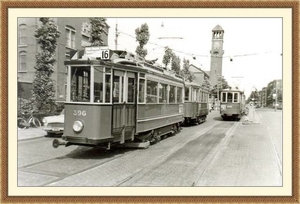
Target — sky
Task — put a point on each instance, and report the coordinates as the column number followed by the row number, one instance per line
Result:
column 253, row 44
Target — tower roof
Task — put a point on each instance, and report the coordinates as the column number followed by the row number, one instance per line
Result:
column 218, row 28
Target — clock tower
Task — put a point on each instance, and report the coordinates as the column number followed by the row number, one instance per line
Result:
column 216, row 54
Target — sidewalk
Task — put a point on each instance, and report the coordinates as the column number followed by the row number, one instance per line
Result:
column 30, row 133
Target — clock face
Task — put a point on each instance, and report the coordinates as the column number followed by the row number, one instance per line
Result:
column 216, row 45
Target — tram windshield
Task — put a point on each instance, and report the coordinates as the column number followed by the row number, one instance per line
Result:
column 230, row 97
column 84, row 88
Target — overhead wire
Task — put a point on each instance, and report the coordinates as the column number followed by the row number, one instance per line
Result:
column 199, row 55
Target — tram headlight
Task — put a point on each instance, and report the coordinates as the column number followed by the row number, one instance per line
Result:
column 77, row 126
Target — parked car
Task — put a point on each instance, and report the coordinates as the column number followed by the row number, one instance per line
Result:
column 54, row 125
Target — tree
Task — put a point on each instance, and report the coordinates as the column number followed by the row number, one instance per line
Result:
column 185, row 72
column 142, row 37
column 98, row 27
column 43, row 86
column 175, row 64
column 206, row 84
column 222, row 84
column 167, row 56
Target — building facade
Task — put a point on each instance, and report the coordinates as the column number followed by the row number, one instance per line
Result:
column 199, row 74
column 274, row 93
column 216, row 54
column 74, row 35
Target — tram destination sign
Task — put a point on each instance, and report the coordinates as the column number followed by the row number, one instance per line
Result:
column 96, row 53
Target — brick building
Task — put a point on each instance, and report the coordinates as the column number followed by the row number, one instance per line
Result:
column 74, row 35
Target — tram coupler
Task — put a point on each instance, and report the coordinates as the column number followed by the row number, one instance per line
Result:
column 57, row 143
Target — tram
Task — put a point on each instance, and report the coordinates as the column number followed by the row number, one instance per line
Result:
column 113, row 97
column 195, row 104
column 232, row 104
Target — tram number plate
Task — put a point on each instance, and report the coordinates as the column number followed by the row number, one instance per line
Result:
column 79, row 113
column 229, row 106
column 104, row 54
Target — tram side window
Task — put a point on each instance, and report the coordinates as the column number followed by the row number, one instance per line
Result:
column 186, row 93
column 179, row 95
column 235, row 97
column 229, row 97
column 80, row 84
column 172, row 94
column 163, row 93
column 151, row 91
column 131, row 92
column 142, row 91
column 98, row 85
column 224, row 97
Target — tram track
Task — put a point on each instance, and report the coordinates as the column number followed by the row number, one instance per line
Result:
column 163, row 151
column 163, row 158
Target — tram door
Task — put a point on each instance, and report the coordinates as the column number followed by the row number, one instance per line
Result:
column 124, row 105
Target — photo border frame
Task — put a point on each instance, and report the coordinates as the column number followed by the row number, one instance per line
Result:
column 6, row 5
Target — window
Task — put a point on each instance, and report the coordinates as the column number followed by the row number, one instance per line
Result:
column 163, row 93
column 142, row 91
column 229, row 97
column 131, row 90
column 98, row 84
column 107, row 87
column 70, row 37
column 80, row 84
column 151, row 91
column 186, row 94
column 235, row 97
column 224, row 97
column 172, row 94
column 179, row 95
column 22, row 35
column 22, row 61
column 118, row 89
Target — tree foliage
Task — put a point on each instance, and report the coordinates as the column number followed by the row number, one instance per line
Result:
column 167, row 57
column 222, row 84
column 43, row 86
column 185, row 72
column 206, row 84
column 98, row 27
column 142, row 37
column 175, row 64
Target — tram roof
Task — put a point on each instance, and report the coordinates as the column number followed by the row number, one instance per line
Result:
column 232, row 90
column 121, row 59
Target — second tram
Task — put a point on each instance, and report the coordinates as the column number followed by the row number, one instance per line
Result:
column 232, row 104
column 195, row 104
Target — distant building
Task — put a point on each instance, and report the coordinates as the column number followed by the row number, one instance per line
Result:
column 199, row 74
column 274, row 91
column 216, row 55
column 74, row 35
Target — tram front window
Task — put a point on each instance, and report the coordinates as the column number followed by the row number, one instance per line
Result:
column 229, row 98
column 80, row 84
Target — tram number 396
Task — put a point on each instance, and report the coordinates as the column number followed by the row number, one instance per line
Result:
column 79, row 113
